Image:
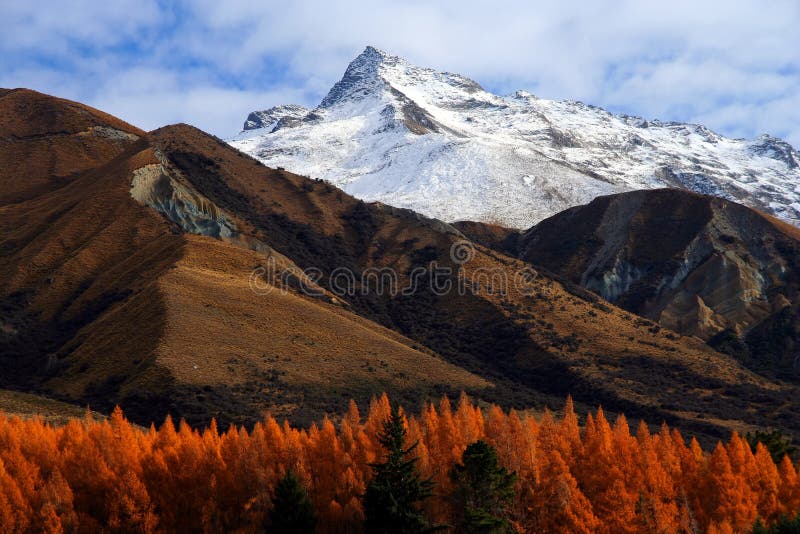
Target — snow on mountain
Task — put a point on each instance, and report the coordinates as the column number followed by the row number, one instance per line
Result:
column 440, row 144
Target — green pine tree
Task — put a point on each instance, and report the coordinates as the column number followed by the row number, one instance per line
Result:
column 784, row 526
column 292, row 511
column 483, row 491
column 393, row 497
column 776, row 443
column 759, row 528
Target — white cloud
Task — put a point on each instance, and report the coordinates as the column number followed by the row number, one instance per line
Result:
column 151, row 98
column 733, row 65
column 35, row 25
column 215, row 110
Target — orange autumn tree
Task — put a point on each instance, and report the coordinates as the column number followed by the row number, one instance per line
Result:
column 598, row 476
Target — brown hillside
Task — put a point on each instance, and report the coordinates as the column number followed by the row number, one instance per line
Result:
column 25, row 406
column 129, row 282
column 47, row 141
column 106, row 301
column 697, row 264
column 500, row 238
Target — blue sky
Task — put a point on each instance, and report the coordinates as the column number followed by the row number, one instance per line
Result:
column 733, row 66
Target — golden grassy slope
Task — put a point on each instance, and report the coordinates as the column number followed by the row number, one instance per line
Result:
column 25, row 405
column 46, row 141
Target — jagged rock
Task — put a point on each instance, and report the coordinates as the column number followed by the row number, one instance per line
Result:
column 269, row 118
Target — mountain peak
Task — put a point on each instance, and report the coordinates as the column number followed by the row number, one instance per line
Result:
column 361, row 77
column 373, row 52
column 372, row 58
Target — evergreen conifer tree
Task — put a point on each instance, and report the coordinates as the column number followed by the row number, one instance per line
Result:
column 394, row 494
column 776, row 443
column 292, row 512
column 784, row 526
column 483, row 490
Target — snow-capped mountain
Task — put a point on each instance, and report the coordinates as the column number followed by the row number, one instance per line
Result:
column 440, row 144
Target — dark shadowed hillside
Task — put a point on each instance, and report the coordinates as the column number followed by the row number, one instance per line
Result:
column 698, row 265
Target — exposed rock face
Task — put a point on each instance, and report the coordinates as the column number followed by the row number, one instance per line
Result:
column 153, row 186
column 774, row 148
column 699, row 265
column 361, row 76
column 270, row 118
column 163, row 187
column 111, row 133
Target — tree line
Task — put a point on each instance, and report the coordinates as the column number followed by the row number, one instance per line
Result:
column 463, row 469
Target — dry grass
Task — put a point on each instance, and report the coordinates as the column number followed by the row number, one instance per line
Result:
column 24, row 405
column 45, row 142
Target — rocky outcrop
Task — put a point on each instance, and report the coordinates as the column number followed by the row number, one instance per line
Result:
column 153, row 186
column 778, row 149
column 272, row 117
column 108, row 132
column 699, row 265
column 161, row 187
